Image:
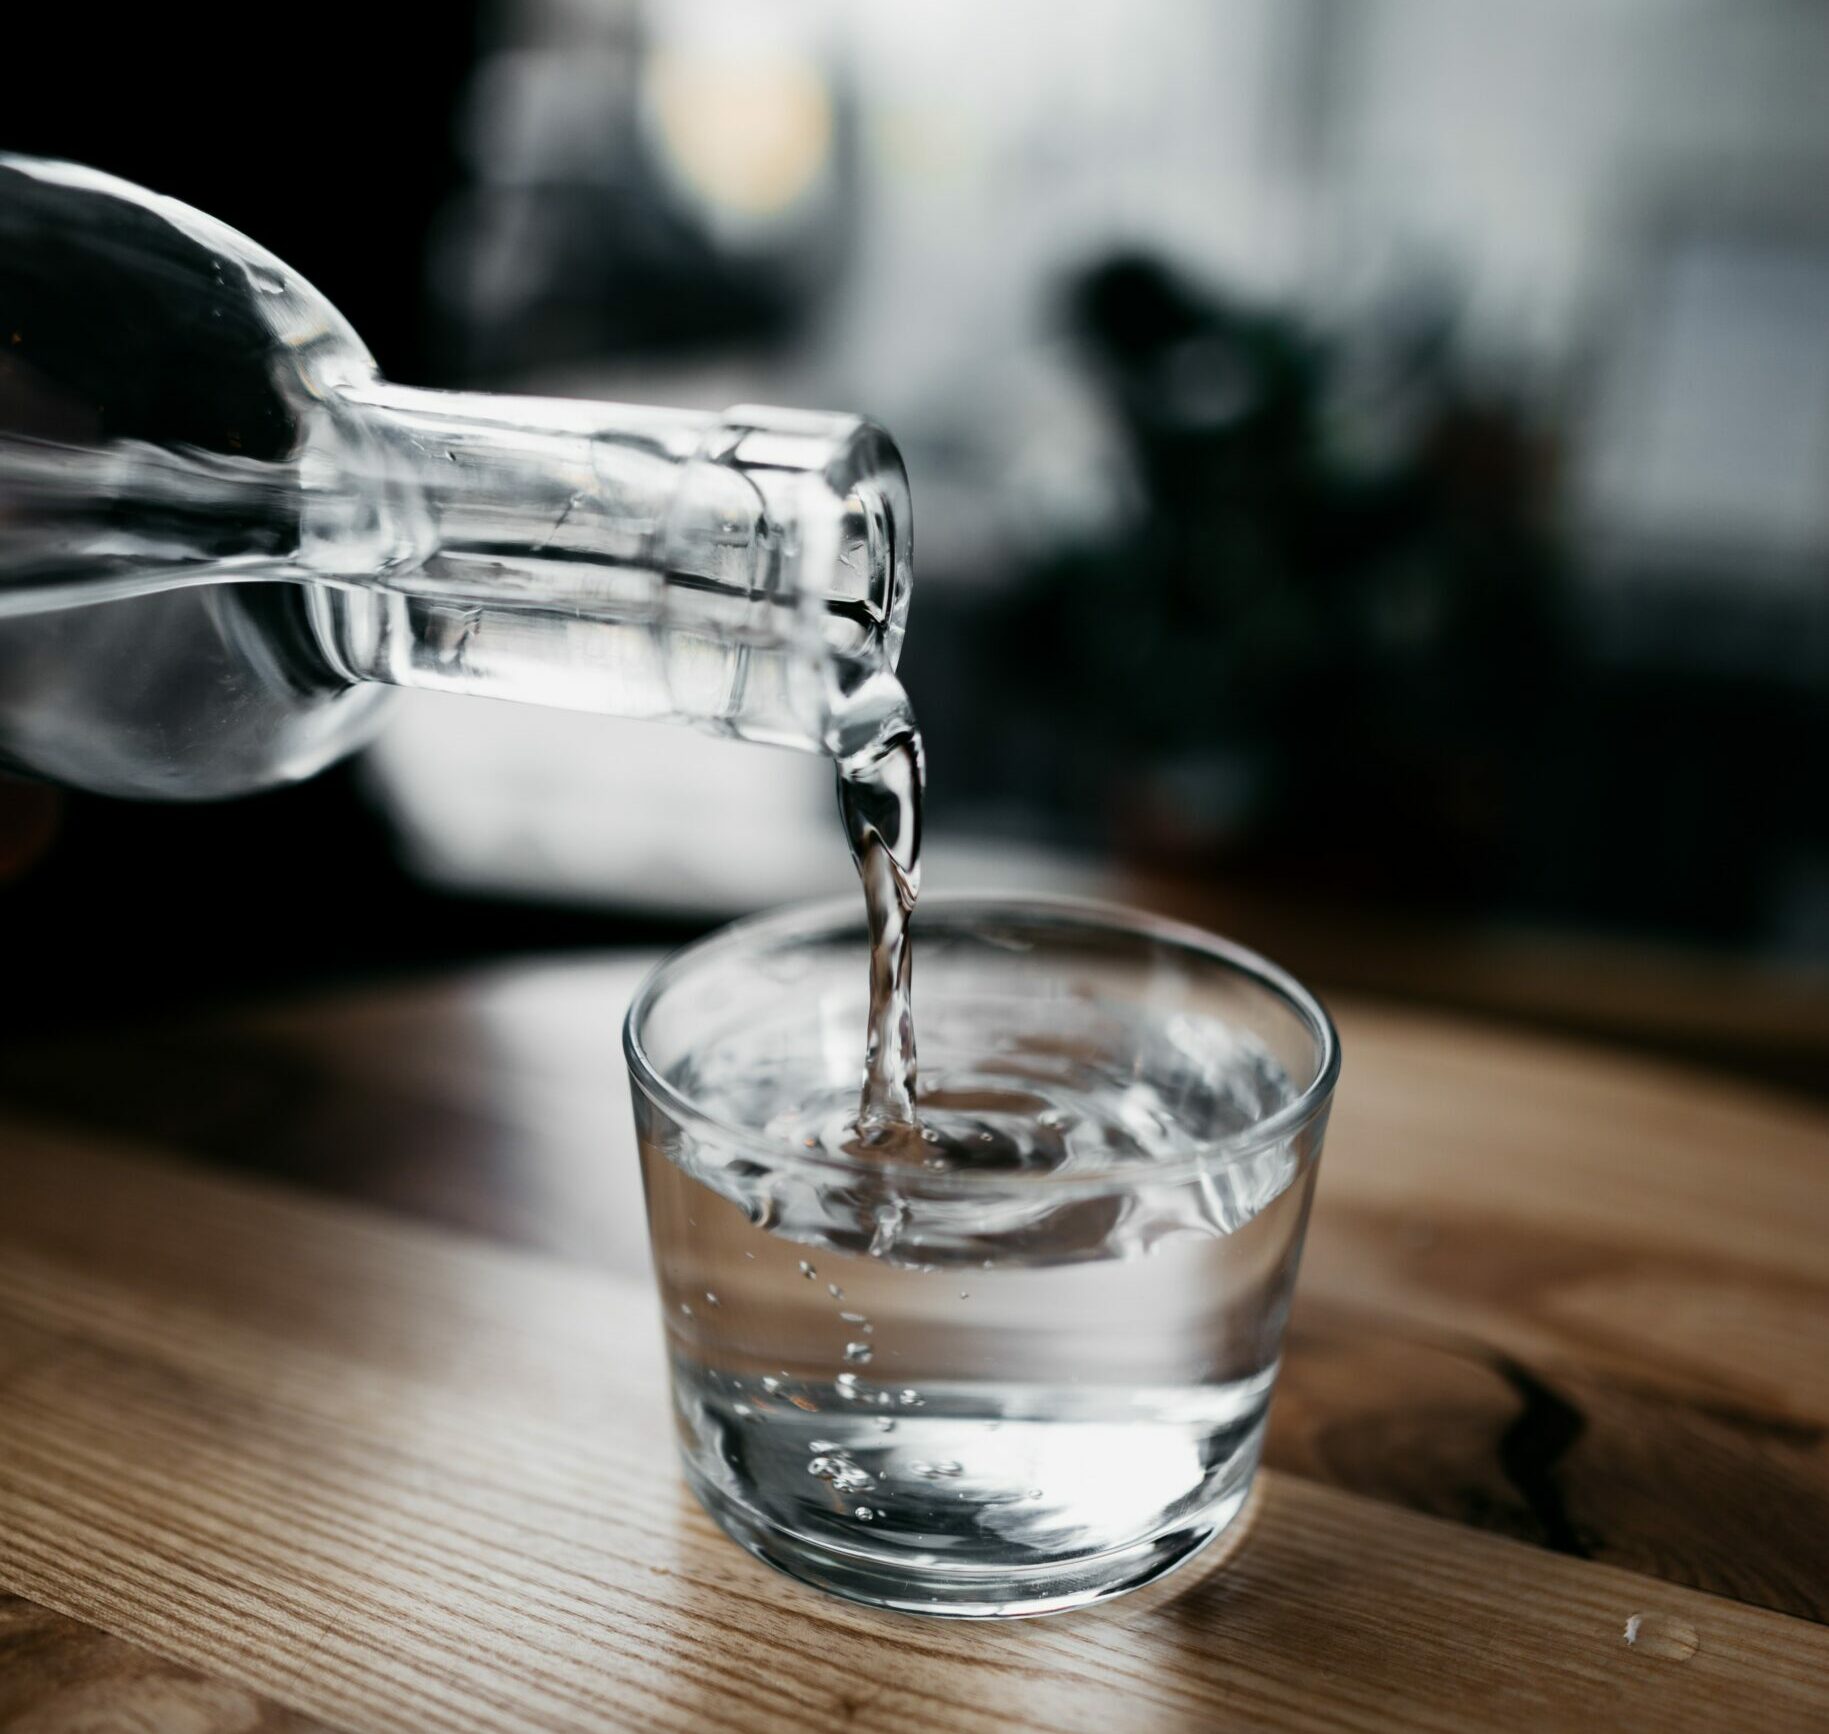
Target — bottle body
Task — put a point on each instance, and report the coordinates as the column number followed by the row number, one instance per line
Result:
column 221, row 533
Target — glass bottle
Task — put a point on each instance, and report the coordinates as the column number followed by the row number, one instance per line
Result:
column 223, row 535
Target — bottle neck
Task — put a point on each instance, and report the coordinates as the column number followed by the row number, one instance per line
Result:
column 735, row 572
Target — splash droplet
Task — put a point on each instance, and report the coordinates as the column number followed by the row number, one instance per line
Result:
column 1663, row 1635
column 858, row 1353
column 835, row 1291
column 807, row 1270
column 711, row 1300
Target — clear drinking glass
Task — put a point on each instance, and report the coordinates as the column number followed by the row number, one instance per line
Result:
column 1030, row 1369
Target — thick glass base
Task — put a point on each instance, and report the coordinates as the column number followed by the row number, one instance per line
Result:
column 962, row 1590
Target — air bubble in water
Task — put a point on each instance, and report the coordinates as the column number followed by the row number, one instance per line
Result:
column 847, row 1386
column 944, row 1471
column 840, row 1471
column 888, row 1225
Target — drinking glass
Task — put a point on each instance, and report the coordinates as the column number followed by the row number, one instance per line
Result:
column 1023, row 1361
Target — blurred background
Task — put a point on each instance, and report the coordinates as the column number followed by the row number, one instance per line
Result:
column 1371, row 466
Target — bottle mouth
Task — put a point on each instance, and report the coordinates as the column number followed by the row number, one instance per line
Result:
column 876, row 530
column 840, row 481
column 743, row 574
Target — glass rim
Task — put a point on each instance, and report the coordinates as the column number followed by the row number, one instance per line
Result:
column 808, row 919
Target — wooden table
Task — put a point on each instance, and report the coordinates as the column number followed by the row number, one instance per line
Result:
column 331, row 1396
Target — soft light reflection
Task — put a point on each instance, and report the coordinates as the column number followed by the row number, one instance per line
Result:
column 750, row 136
column 1120, row 1476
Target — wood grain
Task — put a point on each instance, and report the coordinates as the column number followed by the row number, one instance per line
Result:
column 390, row 1477
column 265, row 1457
column 1575, row 1299
column 60, row 1676
column 1553, row 1293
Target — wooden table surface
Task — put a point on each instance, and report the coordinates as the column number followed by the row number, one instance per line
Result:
column 331, row 1396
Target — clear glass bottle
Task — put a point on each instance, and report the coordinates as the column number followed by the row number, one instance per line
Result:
column 223, row 535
